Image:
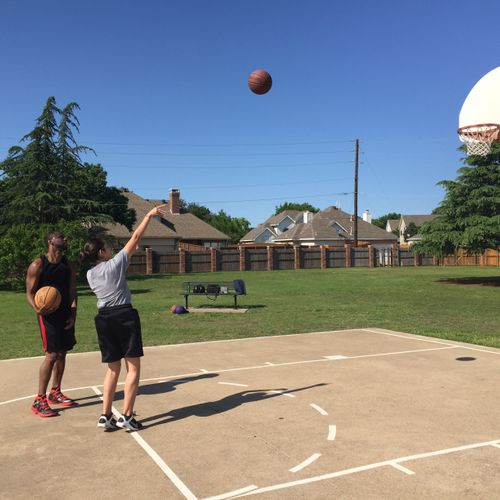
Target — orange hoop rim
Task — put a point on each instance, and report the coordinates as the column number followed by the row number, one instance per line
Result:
column 487, row 132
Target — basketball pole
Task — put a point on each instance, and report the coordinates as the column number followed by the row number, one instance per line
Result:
column 356, row 165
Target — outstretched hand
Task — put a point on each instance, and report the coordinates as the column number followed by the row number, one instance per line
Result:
column 159, row 210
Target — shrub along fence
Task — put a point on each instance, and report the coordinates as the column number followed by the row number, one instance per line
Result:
column 280, row 258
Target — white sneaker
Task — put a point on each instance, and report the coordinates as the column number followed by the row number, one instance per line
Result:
column 107, row 423
column 129, row 423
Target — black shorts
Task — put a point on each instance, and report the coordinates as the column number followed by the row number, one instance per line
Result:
column 54, row 337
column 119, row 333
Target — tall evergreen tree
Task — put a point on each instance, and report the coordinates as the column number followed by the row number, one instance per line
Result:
column 46, row 181
column 469, row 215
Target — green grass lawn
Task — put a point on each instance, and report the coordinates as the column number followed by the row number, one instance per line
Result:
column 411, row 300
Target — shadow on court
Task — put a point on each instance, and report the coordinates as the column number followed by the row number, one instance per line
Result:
column 211, row 408
column 167, row 386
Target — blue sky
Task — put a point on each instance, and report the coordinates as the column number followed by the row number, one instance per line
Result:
column 165, row 103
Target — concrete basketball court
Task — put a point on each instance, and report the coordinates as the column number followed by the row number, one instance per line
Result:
column 365, row 413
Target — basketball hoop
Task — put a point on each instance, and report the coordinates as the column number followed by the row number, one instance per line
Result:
column 478, row 138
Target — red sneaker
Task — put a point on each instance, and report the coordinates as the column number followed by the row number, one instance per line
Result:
column 41, row 407
column 56, row 397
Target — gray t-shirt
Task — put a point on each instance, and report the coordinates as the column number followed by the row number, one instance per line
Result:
column 108, row 281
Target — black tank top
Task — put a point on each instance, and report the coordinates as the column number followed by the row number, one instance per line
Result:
column 59, row 276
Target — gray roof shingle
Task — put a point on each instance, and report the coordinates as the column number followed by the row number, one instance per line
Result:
column 177, row 226
column 331, row 224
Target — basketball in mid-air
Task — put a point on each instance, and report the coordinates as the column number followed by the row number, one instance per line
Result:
column 49, row 297
column 260, row 81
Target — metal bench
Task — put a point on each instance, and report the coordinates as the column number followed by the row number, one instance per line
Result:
column 213, row 289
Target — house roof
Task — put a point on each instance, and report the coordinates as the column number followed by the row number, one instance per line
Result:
column 335, row 225
column 393, row 224
column 270, row 224
column 253, row 234
column 276, row 219
column 418, row 220
column 331, row 224
column 177, row 226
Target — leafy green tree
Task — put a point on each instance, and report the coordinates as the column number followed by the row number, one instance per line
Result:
column 234, row 227
column 22, row 243
column 46, row 181
column 302, row 207
column 469, row 215
column 382, row 221
column 199, row 211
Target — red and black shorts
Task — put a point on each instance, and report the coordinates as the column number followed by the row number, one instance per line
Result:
column 119, row 333
column 54, row 337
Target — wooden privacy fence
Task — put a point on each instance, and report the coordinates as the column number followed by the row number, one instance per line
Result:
column 279, row 258
column 462, row 258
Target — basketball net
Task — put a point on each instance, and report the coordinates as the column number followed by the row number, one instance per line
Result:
column 478, row 138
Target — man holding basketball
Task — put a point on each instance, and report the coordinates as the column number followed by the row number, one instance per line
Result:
column 57, row 326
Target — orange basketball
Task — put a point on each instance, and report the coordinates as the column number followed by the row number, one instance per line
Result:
column 49, row 297
column 260, row 81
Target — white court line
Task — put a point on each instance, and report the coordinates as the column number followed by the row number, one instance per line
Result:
column 18, row 399
column 269, row 363
column 376, row 465
column 264, row 337
column 281, row 393
column 402, row 469
column 233, row 493
column 232, row 383
column 203, row 370
column 337, row 356
column 408, row 337
column 306, row 462
column 402, row 352
column 255, row 367
column 332, row 432
column 402, row 336
column 318, row 408
column 156, row 458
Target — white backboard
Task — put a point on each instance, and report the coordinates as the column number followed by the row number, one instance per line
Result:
column 482, row 104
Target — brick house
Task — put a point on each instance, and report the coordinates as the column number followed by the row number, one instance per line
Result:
column 165, row 234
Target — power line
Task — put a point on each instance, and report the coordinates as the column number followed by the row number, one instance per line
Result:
column 205, row 145
column 138, row 153
column 181, row 167
column 279, row 199
column 225, row 186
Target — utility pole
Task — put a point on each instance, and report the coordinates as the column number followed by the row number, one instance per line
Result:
column 356, row 165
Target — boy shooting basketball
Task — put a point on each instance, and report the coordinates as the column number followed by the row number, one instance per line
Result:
column 117, row 322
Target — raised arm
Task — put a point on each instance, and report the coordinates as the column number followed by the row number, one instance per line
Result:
column 133, row 244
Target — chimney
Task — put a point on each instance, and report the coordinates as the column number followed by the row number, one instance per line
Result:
column 367, row 216
column 175, row 201
column 305, row 217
